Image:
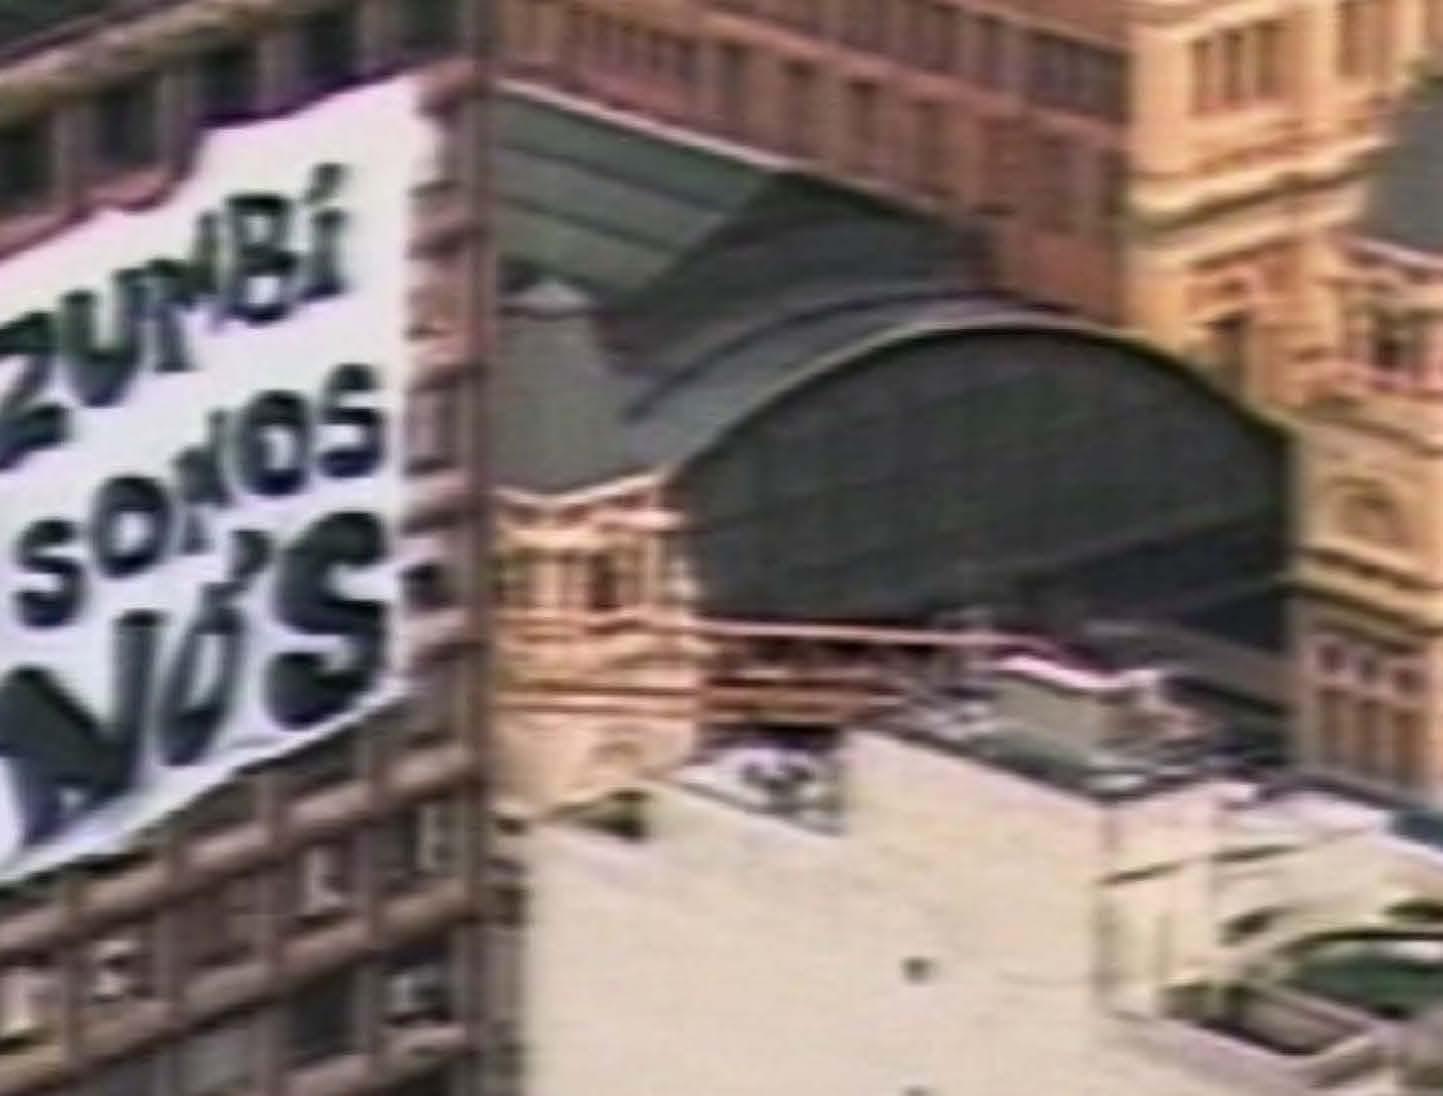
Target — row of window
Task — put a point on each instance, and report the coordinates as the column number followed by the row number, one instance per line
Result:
column 1393, row 339
column 1061, row 73
column 1248, row 64
column 868, row 122
column 597, row 40
column 1370, row 709
column 1239, row 67
column 412, row 991
column 1365, row 738
column 125, row 123
column 128, row 965
column 1365, row 38
column 598, row 582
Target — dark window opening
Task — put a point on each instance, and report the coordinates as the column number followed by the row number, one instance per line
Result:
column 222, row 927
column 420, row 845
column 429, row 27
column 26, row 167
column 418, row 987
column 603, row 585
column 428, row 587
column 321, row 1020
column 433, row 428
column 330, row 50
column 1396, row 341
column 228, row 79
column 127, row 125
column 1231, row 339
column 734, row 77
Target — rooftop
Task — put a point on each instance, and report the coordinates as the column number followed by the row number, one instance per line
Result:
column 667, row 284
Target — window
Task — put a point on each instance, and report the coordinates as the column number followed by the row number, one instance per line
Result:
column 603, row 584
column 220, row 1059
column 322, row 881
column 1272, row 64
column 1111, row 190
column 1407, row 749
column 429, row 713
column 799, row 97
column 508, row 899
column 999, row 162
column 1364, row 45
column 29, row 1002
column 433, row 428
column 1234, row 74
column 329, row 45
column 930, row 146
column 515, row 573
column 1230, row 339
column 418, row 988
column 428, row 586
column 940, row 45
column 228, row 82
column 991, row 52
column 1396, row 340
column 421, row 844
column 1331, row 746
column 321, row 1020
column 1370, row 759
column 734, row 92
column 222, row 926
column 127, row 126
column 864, row 24
column 1204, row 88
column 120, row 969
column 1056, row 167
column 912, row 30
column 428, row 27
column 26, row 165
column 863, row 125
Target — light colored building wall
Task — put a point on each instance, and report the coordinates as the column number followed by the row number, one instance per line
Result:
column 735, row 955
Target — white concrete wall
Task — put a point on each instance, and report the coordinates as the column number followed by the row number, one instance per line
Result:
column 736, row 956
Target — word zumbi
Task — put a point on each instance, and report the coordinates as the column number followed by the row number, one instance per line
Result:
column 274, row 447
column 256, row 260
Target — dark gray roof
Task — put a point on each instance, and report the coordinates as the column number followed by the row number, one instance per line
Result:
column 558, row 422
column 1405, row 200
column 662, row 288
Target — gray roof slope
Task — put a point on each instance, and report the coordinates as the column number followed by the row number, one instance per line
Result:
column 672, row 289
column 1405, row 199
column 557, row 423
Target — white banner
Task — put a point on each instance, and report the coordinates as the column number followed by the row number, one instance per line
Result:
column 200, row 475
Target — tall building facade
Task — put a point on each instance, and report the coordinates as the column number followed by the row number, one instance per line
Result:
column 336, row 918
column 1184, row 170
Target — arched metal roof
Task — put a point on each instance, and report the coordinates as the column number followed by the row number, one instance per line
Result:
column 974, row 452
